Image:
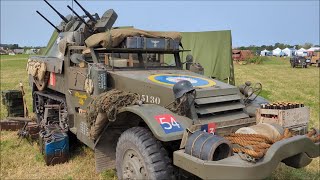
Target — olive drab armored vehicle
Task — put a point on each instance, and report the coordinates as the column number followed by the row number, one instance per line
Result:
column 125, row 93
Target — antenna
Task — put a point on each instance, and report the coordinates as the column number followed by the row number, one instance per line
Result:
column 61, row 16
column 80, row 17
column 58, row 30
column 86, row 12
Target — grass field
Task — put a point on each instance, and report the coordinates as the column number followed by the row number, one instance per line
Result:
column 280, row 83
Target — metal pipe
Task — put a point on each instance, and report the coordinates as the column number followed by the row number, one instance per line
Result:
column 80, row 17
column 61, row 16
column 86, row 12
column 58, row 30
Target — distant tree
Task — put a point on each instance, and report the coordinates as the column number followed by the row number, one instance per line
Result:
column 13, row 46
column 307, row 45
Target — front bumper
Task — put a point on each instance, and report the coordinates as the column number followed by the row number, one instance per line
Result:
column 295, row 152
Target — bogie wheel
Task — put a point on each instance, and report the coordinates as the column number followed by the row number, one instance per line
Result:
column 38, row 103
column 141, row 156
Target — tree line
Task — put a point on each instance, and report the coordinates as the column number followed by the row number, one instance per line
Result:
column 276, row 45
column 16, row 46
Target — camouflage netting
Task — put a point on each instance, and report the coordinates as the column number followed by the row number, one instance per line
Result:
column 36, row 69
column 181, row 106
column 114, row 37
column 105, row 107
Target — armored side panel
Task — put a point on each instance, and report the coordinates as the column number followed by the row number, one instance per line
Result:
column 74, row 36
column 98, row 74
column 107, row 20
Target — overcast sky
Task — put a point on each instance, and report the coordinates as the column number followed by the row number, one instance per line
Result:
column 251, row 22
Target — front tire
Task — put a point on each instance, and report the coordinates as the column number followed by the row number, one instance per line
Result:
column 139, row 155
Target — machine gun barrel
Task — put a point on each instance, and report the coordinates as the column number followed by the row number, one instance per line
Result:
column 61, row 16
column 86, row 12
column 58, row 30
column 80, row 17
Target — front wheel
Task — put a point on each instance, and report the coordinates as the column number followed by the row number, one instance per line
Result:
column 141, row 156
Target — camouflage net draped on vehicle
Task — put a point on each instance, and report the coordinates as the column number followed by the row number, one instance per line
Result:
column 38, row 70
column 105, row 107
column 181, row 106
column 252, row 147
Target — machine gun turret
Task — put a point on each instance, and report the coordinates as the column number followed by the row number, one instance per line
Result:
column 86, row 12
column 58, row 30
column 61, row 16
column 80, row 18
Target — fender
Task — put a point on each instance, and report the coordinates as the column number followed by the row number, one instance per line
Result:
column 164, row 124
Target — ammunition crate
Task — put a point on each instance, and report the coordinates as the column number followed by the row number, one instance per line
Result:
column 15, row 102
column 11, row 125
column 296, row 119
column 150, row 43
column 11, row 94
column 17, row 111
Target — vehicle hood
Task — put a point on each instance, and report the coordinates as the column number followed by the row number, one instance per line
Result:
column 159, row 83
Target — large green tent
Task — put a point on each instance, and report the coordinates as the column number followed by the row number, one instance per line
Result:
column 213, row 50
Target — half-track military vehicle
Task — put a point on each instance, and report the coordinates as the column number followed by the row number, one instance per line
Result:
column 125, row 94
column 298, row 61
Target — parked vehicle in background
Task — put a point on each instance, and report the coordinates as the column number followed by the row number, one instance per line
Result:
column 298, row 61
column 240, row 55
column 315, row 58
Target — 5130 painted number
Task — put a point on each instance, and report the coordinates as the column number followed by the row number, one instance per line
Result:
column 149, row 99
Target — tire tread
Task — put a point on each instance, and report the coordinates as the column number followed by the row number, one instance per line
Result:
column 157, row 161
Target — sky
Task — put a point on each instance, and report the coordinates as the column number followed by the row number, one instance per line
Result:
column 251, row 22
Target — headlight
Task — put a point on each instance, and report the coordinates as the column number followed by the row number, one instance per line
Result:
column 246, row 90
column 249, row 92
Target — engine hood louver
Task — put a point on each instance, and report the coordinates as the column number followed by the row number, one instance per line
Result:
column 227, row 107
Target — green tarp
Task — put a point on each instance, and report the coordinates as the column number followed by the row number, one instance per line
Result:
column 213, row 50
column 52, row 40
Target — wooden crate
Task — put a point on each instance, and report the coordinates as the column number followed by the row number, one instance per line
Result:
column 285, row 118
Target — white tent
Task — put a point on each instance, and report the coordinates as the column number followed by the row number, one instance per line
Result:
column 277, row 52
column 289, row 51
column 313, row 49
column 301, row 52
column 264, row 53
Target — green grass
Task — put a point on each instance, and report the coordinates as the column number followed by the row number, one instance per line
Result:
column 18, row 56
column 280, row 83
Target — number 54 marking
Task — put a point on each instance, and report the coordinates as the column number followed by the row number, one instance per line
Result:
column 168, row 123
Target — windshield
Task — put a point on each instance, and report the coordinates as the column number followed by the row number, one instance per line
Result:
column 139, row 60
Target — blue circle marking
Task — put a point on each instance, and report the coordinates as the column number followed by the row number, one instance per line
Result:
column 171, row 79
